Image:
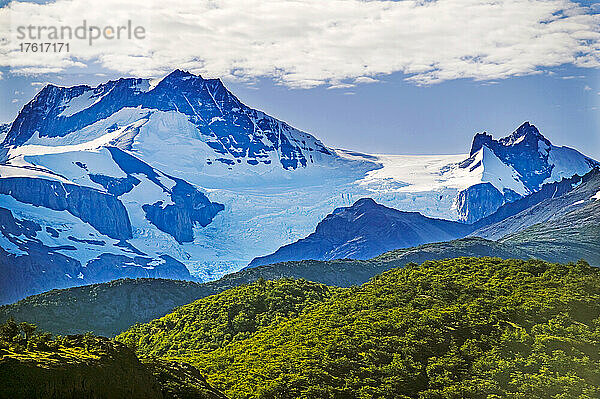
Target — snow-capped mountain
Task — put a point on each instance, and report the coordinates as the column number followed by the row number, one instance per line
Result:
column 145, row 179
column 533, row 157
column 514, row 166
column 185, row 124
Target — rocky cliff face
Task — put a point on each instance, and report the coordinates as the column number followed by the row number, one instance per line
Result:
column 478, row 201
column 189, row 207
column 103, row 211
column 534, row 157
column 516, row 165
column 229, row 126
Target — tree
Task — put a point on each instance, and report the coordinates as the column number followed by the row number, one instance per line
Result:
column 9, row 329
column 28, row 329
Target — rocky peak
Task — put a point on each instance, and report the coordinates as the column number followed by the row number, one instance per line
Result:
column 527, row 134
column 480, row 140
column 365, row 203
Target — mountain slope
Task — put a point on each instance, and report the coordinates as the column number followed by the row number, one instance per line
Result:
column 99, row 215
column 534, row 157
column 212, row 118
column 367, row 229
column 233, row 315
column 95, row 174
column 513, row 167
column 105, row 308
column 551, row 209
column 110, row 308
column 571, row 235
column 364, row 230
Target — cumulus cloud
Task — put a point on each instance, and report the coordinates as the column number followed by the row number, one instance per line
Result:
column 306, row 43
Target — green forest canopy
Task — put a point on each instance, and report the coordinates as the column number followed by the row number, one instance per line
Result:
column 458, row 328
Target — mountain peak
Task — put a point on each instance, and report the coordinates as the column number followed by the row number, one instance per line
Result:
column 480, row 140
column 181, row 73
column 365, row 202
column 526, row 133
column 533, row 156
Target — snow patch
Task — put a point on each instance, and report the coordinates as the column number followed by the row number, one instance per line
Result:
column 565, row 163
column 79, row 103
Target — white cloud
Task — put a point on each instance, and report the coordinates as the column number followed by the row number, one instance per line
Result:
column 587, row 88
column 305, row 43
column 365, row 79
column 340, row 86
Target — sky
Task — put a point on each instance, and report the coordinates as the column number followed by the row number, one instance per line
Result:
column 404, row 77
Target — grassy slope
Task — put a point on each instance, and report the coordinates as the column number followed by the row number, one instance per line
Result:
column 463, row 328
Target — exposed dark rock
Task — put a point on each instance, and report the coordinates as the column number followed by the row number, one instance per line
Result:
column 178, row 219
column 103, row 211
column 478, row 201
column 115, row 186
column 109, row 267
column 91, row 242
column 40, row 267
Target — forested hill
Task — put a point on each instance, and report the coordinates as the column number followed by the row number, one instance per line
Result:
column 458, row 328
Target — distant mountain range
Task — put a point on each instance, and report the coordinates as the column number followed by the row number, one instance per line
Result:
column 182, row 180
column 561, row 228
column 367, row 229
